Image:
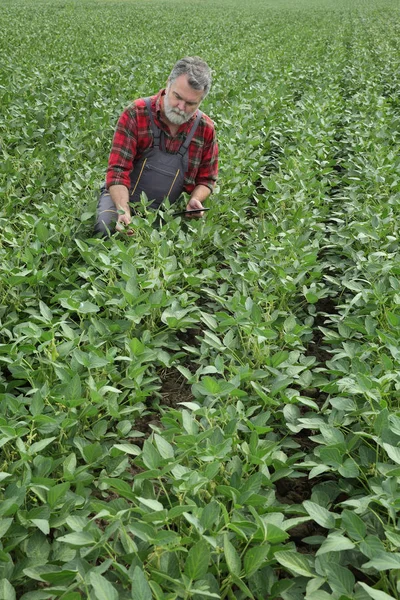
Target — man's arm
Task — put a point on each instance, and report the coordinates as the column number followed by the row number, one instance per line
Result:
column 120, row 163
column 120, row 196
column 207, row 172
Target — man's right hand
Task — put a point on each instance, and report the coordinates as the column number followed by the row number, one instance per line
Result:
column 123, row 223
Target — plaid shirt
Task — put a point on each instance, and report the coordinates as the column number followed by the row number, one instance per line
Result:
column 133, row 136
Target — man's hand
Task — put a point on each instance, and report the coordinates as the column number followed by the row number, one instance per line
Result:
column 194, row 204
column 124, row 221
column 120, row 196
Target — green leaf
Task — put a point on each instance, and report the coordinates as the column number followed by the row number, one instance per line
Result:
column 150, row 503
column 331, row 457
column 375, row 594
column 319, row 514
column 185, row 372
column 393, row 319
column 69, row 465
column 254, row 558
column 73, row 390
column 314, row 585
column 196, row 564
column 45, row 311
column 394, row 424
column 311, row 297
column 90, row 360
column 335, row 543
column 349, row 469
column 269, row 184
column 37, row 404
column 57, row 493
column 164, row 447
column 39, row 595
column 393, row 537
column 87, row 307
column 274, row 534
column 140, row 587
column 189, row 423
column 213, row 340
column 372, row 546
column 122, row 487
column 7, row 592
column 41, row 231
column 128, row 449
column 295, row 562
column 5, row 525
column 354, row 525
column 210, row 515
column 393, row 452
column 209, row 320
column 58, row 577
column 38, row 547
column 340, row 580
column 103, row 589
column 289, row 323
column 316, row 471
column 38, row 446
column 232, row 557
column 242, row 586
column 210, row 386
column 150, row 455
column 200, row 591
column 79, row 538
column 385, row 561
column 42, row 524
column 93, row 452
column 280, row 383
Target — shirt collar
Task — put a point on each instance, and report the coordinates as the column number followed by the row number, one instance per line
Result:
column 160, row 102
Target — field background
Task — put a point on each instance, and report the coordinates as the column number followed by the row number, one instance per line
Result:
column 211, row 409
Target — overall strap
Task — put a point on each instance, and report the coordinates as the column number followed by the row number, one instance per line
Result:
column 156, row 131
column 184, row 147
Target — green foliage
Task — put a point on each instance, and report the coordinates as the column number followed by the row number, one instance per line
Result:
column 206, row 409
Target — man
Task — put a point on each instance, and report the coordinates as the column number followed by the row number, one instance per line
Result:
column 163, row 146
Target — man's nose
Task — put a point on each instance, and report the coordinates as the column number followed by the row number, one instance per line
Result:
column 181, row 105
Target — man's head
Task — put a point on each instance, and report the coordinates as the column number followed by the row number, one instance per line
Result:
column 198, row 73
column 187, row 85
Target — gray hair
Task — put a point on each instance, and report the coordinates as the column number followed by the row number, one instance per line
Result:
column 198, row 72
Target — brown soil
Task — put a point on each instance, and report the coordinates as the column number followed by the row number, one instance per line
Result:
column 324, row 306
column 174, row 389
column 293, row 491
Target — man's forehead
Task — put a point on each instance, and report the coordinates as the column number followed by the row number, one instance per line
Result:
column 182, row 87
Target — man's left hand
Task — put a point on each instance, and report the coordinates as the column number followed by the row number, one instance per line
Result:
column 194, row 204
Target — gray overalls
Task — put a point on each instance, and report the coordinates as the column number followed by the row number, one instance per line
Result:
column 157, row 173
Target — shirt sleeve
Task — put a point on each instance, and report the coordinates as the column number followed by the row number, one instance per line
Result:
column 208, row 169
column 123, row 150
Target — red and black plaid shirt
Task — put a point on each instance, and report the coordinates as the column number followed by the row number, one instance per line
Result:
column 133, row 136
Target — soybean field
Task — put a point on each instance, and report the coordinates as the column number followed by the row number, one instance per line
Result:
column 210, row 408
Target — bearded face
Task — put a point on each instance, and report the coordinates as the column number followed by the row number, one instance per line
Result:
column 181, row 101
column 174, row 114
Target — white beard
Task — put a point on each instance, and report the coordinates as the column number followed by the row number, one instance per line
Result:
column 174, row 115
